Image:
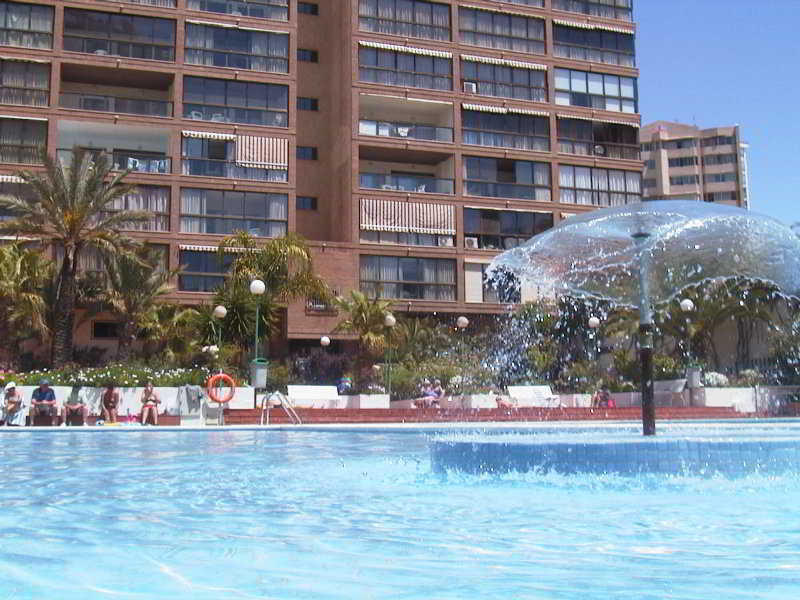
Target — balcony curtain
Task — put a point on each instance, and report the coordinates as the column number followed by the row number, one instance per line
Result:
column 254, row 151
column 407, row 217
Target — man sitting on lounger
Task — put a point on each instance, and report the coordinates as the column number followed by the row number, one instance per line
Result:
column 43, row 402
column 74, row 411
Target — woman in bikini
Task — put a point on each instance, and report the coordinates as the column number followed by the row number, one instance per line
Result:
column 150, row 402
column 110, row 403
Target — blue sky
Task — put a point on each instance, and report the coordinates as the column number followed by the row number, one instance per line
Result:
column 724, row 62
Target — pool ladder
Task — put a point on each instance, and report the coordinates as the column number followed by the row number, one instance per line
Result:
column 285, row 403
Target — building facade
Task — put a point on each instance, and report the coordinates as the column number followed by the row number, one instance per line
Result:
column 409, row 140
column 686, row 162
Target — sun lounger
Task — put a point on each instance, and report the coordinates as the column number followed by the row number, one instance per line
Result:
column 534, row 395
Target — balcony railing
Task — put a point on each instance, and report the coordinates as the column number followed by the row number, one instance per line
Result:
column 115, row 104
column 208, row 167
column 223, row 114
column 517, row 191
column 138, row 162
column 429, row 133
column 158, row 3
column 407, row 183
column 606, row 149
column 20, row 154
column 275, row 10
column 24, row 96
column 517, row 141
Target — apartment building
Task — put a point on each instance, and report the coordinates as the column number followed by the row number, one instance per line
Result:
column 409, row 140
column 684, row 162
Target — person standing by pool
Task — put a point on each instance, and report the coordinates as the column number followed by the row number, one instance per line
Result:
column 43, row 402
column 109, row 403
column 12, row 404
column 150, row 402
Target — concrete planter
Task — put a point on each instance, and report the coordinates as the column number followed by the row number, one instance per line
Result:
column 627, row 399
column 741, row 399
column 576, row 400
column 367, row 401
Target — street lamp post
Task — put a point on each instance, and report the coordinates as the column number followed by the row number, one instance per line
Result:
column 389, row 322
column 462, row 323
column 257, row 288
column 687, row 306
column 219, row 313
column 594, row 323
column 324, row 341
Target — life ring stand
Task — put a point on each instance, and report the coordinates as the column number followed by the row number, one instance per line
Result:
column 215, row 383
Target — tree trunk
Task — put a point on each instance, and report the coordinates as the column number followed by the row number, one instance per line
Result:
column 127, row 334
column 64, row 317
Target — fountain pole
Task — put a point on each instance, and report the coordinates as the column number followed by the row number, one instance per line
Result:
column 646, row 337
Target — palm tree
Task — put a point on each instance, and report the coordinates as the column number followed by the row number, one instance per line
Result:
column 73, row 207
column 134, row 289
column 364, row 318
column 23, row 273
column 170, row 331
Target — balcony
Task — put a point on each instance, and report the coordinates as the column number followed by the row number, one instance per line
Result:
column 429, row 133
column 140, row 149
column 405, row 118
column 210, row 167
column 406, row 183
column 517, row 191
column 603, row 149
column 406, row 170
column 115, row 104
column 157, row 3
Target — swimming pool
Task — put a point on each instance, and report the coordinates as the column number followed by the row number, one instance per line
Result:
column 316, row 514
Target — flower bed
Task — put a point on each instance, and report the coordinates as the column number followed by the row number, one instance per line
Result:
column 123, row 375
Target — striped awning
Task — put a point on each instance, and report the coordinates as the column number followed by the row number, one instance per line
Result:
column 232, row 26
column 209, row 135
column 20, row 59
column 21, row 117
column 198, row 248
column 502, row 61
column 11, row 179
column 593, row 26
column 407, row 217
column 503, row 11
column 598, row 120
column 255, row 151
column 408, row 49
column 503, row 110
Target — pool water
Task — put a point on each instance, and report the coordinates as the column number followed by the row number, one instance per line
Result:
column 315, row 514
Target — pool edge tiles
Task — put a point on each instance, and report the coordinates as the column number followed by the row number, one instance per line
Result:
column 633, row 456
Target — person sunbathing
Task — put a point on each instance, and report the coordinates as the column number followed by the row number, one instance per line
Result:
column 109, row 404
column 150, row 402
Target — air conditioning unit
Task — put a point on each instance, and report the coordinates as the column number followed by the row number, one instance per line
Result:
column 403, row 131
column 470, row 87
column 599, row 150
column 471, row 242
column 446, row 241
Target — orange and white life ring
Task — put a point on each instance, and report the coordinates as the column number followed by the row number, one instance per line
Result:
column 215, row 385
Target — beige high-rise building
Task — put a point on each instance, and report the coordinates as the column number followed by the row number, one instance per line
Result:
column 409, row 140
column 686, row 162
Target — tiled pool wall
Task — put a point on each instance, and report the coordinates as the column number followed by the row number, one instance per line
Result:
column 625, row 457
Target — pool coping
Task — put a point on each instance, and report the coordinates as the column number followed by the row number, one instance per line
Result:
column 403, row 427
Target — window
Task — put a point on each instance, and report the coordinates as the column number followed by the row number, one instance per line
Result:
column 26, row 25
column 307, row 8
column 595, row 90
column 407, row 18
column 307, row 103
column 277, row 10
column 147, row 198
column 684, row 180
column 650, row 164
column 307, row 152
column 720, row 197
column 599, row 187
column 408, row 278
column 598, row 138
column 263, row 51
column 503, row 287
column 503, row 229
column 407, row 223
column 720, row 177
column 649, row 183
column 504, row 81
column 202, row 271
column 502, row 31
column 611, row 9
column 223, row 212
column 682, row 161
column 719, row 159
column 24, row 83
column 505, row 178
column 505, row 130
column 105, row 330
column 596, row 45
column 117, row 34
column 536, row 3
column 307, row 55
column 22, row 141
column 306, row 203
column 719, row 140
column 406, row 69
column 226, row 101
column 678, row 144
column 14, row 188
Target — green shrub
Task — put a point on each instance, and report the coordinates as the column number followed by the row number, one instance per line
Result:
column 123, row 375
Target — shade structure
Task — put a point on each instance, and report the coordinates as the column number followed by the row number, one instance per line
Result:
column 687, row 243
